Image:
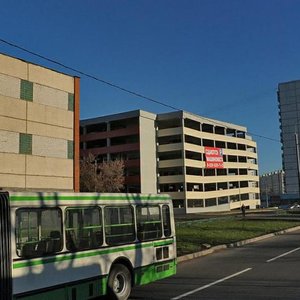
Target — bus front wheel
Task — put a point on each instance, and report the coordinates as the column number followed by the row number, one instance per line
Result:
column 119, row 282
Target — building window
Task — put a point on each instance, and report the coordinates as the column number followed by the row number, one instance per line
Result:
column 171, row 187
column 192, row 140
column 231, row 145
column 241, row 147
column 188, row 123
column 234, row 185
column 242, row 159
column 210, row 202
column 244, row 184
column 244, row 197
column 195, row 203
column 195, row 187
column 122, row 140
column 221, row 172
column 243, row 171
column 232, row 158
column 207, row 128
column 222, row 200
column 71, row 102
column 209, row 172
column 193, row 171
column 170, row 171
column 209, row 143
column 165, row 140
column 26, row 91
column 222, row 185
column 178, row 203
column 219, row 130
column 234, row 198
column 220, row 144
column 96, row 144
column 209, row 187
column 193, row 155
column 170, row 155
column 70, row 150
column 25, row 143
column 233, row 172
column 93, row 128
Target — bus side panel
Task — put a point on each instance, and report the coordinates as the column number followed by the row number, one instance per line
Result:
column 155, row 272
column 5, row 248
column 86, row 290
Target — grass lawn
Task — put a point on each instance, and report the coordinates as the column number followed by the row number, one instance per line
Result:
column 191, row 235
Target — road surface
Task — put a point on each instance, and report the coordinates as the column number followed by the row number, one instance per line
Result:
column 269, row 269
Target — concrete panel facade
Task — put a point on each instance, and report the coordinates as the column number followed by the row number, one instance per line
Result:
column 148, row 168
column 39, row 112
column 9, row 86
column 52, row 166
column 50, row 96
column 9, row 142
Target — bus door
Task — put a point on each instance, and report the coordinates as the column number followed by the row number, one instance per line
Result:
column 5, row 248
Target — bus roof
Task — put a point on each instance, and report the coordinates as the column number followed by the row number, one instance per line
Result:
column 51, row 198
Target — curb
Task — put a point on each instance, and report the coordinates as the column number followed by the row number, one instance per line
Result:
column 233, row 245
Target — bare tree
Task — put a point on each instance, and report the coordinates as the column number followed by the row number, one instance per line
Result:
column 105, row 177
column 88, row 174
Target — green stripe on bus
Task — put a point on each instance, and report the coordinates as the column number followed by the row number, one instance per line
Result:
column 85, row 198
column 120, row 225
column 72, row 256
column 163, row 243
column 154, row 272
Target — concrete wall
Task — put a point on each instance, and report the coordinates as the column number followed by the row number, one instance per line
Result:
column 148, row 153
column 36, row 127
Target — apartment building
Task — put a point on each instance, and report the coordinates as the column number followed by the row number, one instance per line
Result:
column 273, row 183
column 174, row 153
column 39, row 127
column 128, row 136
column 289, row 117
column 185, row 143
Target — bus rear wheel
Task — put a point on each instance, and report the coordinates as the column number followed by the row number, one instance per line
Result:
column 119, row 282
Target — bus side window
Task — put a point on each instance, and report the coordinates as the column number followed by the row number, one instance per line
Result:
column 38, row 231
column 166, row 220
column 149, row 225
column 83, row 228
column 119, row 225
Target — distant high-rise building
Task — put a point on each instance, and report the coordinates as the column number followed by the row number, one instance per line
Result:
column 289, row 117
column 272, row 184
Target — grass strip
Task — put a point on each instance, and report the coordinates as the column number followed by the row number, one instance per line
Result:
column 193, row 236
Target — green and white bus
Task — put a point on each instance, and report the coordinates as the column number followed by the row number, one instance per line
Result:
column 75, row 246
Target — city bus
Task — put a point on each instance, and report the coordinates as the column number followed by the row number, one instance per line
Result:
column 79, row 246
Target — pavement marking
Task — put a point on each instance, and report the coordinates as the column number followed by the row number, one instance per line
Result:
column 210, row 284
column 284, row 254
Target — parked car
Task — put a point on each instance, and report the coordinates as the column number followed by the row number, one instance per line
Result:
column 294, row 206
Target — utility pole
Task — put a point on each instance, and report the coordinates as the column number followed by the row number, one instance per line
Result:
column 298, row 160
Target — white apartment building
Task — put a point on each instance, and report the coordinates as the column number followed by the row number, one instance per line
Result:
column 182, row 140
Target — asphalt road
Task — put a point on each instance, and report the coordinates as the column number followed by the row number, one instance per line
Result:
column 268, row 269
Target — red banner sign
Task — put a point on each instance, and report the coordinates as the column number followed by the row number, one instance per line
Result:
column 214, row 158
